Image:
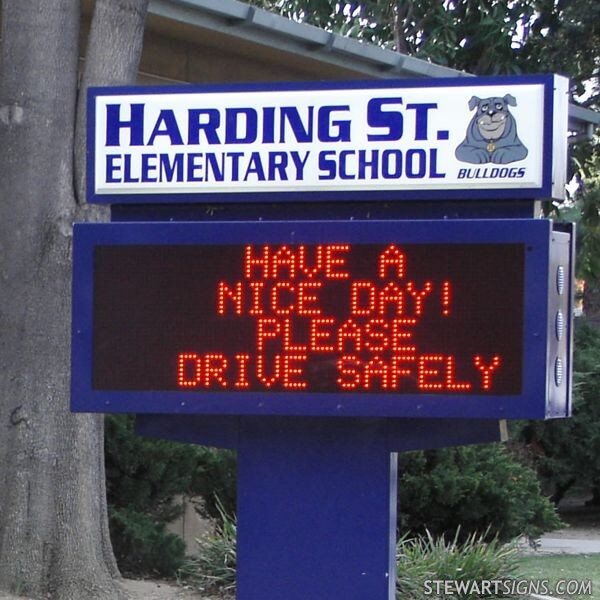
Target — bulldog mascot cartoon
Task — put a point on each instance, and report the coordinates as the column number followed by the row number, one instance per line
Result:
column 492, row 133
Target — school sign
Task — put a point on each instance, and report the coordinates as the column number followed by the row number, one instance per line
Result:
column 339, row 141
column 270, row 283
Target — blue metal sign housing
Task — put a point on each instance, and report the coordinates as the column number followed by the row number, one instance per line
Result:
column 423, row 319
column 446, row 139
column 304, row 301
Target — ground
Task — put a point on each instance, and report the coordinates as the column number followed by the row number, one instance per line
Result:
column 161, row 590
column 147, row 590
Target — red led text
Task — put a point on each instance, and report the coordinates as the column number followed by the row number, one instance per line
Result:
column 314, row 319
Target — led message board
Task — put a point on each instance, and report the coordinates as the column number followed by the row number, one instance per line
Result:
column 438, row 139
column 371, row 318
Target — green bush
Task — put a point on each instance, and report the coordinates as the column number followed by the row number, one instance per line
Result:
column 566, row 452
column 215, row 480
column 145, row 477
column 423, row 560
column 142, row 545
column 474, row 488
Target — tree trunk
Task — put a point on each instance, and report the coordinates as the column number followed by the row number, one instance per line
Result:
column 53, row 525
column 112, row 58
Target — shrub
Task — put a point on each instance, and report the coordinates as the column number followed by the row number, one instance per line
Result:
column 566, row 452
column 144, row 478
column 215, row 480
column 142, row 545
column 474, row 488
column 422, row 560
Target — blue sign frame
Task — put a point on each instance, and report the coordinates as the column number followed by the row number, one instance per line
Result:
column 537, row 399
column 551, row 170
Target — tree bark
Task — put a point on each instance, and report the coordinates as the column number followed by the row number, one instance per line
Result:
column 112, row 58
column 53, row 523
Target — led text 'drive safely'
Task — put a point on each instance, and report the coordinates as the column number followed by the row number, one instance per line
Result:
column 318, row 318
column 371, row 318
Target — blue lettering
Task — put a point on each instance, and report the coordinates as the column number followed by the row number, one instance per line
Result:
column 433, row 172
column 421, row 164
column 344, row 174
column 167, row 169
column 114, row 124
column 393, row 121
column 112, row 168
column 127, row 170
column 147, row 168
column 195, row 125
column 391, row 164
column 171, row 129
column 193, row 167
column 421, row 115
column 268, row 132
column 330, row 130
column 278, row 164
column 216, row 170
column 299, row 164
column 234, row 134
column 493, row 173
column 364, row 164
column 327, row 165
column 255, row 167
column 290, row 115
column 235, row 164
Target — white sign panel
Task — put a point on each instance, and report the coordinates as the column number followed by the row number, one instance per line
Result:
column 471, row 138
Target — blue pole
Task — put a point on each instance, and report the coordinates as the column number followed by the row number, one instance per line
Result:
column 316, row 510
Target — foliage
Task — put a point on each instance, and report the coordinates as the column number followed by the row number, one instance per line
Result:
column 564, row 37
column 467, row 34
column 474, row 488
column 142, row 545
column 144, row 474
column 145, row 479
column 215, row 480
column 427, row 558
column 582, row 209
column 213, row 568
column 479, row 36
column 562, row 464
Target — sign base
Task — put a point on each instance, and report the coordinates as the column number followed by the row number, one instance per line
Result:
column 317, row 497
column 316, row 510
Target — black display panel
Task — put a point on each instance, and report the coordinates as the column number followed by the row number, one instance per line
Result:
column 434, row 318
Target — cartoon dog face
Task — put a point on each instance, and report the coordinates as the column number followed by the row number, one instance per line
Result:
column 492, row 114
column 492, row 133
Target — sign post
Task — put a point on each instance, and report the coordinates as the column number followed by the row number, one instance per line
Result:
column 294, row 326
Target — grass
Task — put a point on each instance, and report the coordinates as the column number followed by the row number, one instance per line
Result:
column 213, row 568
column 581, row 567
